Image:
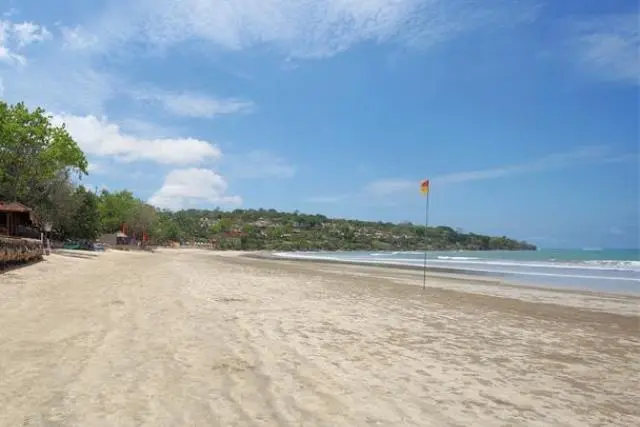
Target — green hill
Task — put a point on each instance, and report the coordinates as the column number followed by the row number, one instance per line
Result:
column 272, row 230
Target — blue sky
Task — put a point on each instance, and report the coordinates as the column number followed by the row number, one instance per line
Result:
column 523, row 113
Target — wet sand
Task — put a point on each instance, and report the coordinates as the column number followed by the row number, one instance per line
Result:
column 195, row 338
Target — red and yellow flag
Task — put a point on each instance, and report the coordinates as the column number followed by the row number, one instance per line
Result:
column 424, row 187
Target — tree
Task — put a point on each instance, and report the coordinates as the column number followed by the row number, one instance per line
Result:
column 143, row 218
column 57, row 206
column 222, row 226
column 167, row 230
column 33, row 152
column 116, row 209
column 85, row 222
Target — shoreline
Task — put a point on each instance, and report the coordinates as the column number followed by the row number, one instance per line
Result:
column 195, row 337
column 364, row 263
column 382, row 264
column 446, row 273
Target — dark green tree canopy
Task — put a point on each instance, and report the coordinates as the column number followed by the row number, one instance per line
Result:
column 33, row 152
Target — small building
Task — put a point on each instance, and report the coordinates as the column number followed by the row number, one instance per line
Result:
column 122, row 239
column 262, row 223
column 16, row 220
column 113, row 239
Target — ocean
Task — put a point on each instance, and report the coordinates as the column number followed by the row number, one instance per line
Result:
column 603, row 270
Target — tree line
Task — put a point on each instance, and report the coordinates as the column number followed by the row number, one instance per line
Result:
column 42, row 167
column 269, row 229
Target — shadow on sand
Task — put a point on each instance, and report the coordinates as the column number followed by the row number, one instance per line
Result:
column 13, row 266
column 75, row 253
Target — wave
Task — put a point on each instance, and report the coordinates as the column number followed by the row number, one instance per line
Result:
column 614, row 263
column 413, row 262
column 580, row 265
column 470, row 262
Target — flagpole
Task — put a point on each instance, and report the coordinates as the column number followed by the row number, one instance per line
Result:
column 426, row 226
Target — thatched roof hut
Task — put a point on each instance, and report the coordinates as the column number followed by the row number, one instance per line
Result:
column 14, row 217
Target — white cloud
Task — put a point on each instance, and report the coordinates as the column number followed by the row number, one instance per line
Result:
column 98, row 137
column 145, row 129
column 14, row 37
column 77, row 38
column 305, row 28
column 583, row 155
column 588, row 154
column 95, row 168
column 58, row 79
column 610, row 46
column 63, row 82
column 6, row 54
column 195, row 105
column 184, row 188
column 259, row 164
column 68, row 79
column 26, row 33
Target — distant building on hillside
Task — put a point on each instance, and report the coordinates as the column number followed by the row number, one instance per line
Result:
column 262, row 223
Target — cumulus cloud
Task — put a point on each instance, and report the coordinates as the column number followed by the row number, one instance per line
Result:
column 97, row 136
column 191, row 104
column 184, row 188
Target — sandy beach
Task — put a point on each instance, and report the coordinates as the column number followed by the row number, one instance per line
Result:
column 196, row 338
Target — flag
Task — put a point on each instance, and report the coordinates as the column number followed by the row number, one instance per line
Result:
column 424, row 186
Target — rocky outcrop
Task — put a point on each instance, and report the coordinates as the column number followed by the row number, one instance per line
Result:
column 17, row 250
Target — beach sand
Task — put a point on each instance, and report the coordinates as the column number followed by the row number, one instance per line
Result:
column 196, row 338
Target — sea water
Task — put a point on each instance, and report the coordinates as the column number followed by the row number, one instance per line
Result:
column 609, row 270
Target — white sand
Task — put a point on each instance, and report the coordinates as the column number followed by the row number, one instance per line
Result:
column 189, row 338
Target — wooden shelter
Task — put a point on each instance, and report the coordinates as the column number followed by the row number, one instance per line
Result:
column 122, row 238
column 18, row 237
column 15, row 219
column 113, row 239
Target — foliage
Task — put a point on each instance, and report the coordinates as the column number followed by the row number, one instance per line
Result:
column 122, row 208
column 33, row 152
column 272, row 230
column 38, row 161
column 85, row 221
column 116, row 209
